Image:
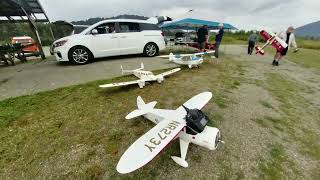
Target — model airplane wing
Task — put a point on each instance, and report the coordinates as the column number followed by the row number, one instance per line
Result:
column 279, row 44
column 204, row 53
column 149, row 145
column 197, row 102
column 175, row 55
column 120, row 84
column 169, row 72
column 266, row 35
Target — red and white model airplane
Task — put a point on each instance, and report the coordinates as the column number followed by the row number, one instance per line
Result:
column 188, row 123
column 272, row 39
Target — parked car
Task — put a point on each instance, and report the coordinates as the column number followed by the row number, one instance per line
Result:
column 111, row 38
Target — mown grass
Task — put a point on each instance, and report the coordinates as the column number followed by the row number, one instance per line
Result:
column 308, row 43
column 294, row 109
column 309, row 58
column 266, row 104
column 80, row 131
column 272, row 166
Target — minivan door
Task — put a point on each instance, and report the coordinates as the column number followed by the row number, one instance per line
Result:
column 105, row 41
column 130, row 41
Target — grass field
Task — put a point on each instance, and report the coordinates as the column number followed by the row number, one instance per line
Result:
column 80, row 131
column 309, row 58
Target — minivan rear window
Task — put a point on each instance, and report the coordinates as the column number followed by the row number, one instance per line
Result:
column 146, row 26
column 129, row 27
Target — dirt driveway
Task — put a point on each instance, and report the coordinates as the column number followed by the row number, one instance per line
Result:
column 37, row 76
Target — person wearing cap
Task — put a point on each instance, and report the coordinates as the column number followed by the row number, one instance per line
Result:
column 252, row 40
column 289, row 38
column 203, row 35
column 218, row 39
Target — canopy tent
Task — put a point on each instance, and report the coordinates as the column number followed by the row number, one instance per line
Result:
column 19, row 11
column 192, row 24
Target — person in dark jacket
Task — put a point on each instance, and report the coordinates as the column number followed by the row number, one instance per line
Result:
column 203, row 35
column 219, row 37
column 252, row 40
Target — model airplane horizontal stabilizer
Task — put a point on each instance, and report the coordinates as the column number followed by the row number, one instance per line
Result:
column 143, row 108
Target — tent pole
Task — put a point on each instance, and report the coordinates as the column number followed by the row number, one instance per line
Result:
column 35, row 31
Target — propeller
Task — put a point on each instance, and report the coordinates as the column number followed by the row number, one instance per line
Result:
column 187, row 109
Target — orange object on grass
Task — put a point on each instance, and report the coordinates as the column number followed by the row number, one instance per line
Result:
column 31, row 45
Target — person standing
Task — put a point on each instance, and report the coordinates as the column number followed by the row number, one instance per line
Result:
column 289, row 38
column 252, row 40
column 219, row 37
column 203, row 35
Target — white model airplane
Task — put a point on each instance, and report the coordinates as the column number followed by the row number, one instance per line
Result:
column 144, row 76
column 188, row 123
column 271, row 39
column 190, row 60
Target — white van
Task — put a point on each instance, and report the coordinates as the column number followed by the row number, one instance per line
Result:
column 110, row 38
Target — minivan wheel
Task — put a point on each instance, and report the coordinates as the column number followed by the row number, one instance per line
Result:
column 151, row 50
column 80, row 55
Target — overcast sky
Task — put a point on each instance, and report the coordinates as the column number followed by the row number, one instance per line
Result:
column 244, row 14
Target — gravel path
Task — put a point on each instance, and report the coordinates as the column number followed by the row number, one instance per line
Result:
column 249, row 140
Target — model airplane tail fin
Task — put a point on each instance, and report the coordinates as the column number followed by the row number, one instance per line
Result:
column 171, row 57
column 125, row 71
column 143, row 108
column 259, row 50
column 141, row 68
column 121, row 70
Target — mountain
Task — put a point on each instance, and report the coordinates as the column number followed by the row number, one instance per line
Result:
column 311, row 30
column 95, row 20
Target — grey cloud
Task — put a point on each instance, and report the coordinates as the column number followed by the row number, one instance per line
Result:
column 243, row 13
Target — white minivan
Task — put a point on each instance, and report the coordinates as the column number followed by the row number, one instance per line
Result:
column 110, row 38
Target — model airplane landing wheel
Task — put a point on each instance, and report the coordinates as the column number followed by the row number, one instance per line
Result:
column 80, row 55
column 151, row 50
column 141, row 84
column 160, row 80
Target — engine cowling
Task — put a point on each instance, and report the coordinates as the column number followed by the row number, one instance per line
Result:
column 160, row 79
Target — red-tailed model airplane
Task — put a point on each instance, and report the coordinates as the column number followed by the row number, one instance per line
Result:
column 272, row 39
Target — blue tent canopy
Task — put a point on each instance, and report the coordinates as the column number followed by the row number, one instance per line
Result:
column 191, row 24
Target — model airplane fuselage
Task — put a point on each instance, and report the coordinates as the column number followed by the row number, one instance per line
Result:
column 271, row 39
column 144, row 76
column 187, row 123
column 190, row 60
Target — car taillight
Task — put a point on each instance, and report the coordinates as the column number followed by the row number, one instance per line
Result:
column 162, row 34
